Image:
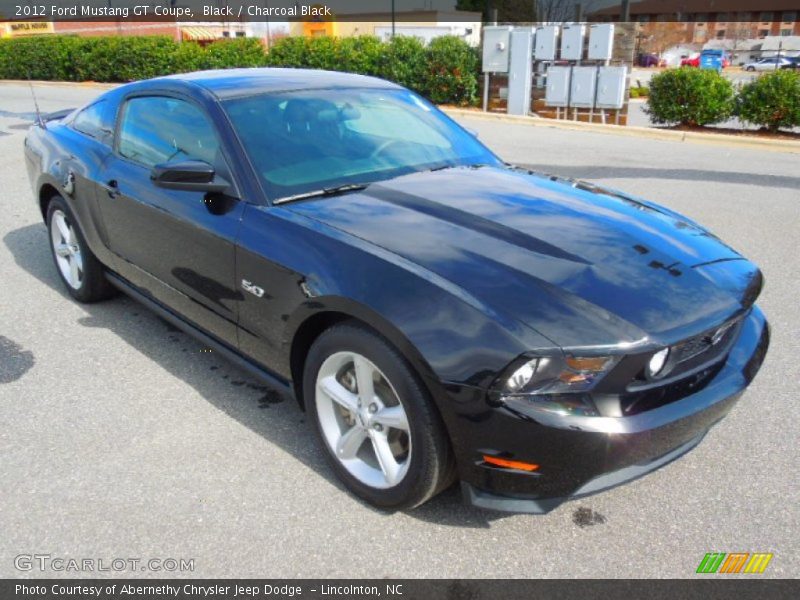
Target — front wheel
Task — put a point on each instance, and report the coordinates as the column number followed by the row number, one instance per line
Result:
column 378, row 427
column 79, row 269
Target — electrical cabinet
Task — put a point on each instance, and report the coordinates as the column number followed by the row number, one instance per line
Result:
column 546, row 37
column 557, row 90
column 582, row 87
column 572, row 42
column 601, row 41
column 496, row 49
column 611, row 87
column 519, row 75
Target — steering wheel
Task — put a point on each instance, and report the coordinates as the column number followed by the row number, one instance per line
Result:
column 380, row 149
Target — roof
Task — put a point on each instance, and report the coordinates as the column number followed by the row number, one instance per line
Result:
column 229, row 83
column 201, row 34
column 785, row 42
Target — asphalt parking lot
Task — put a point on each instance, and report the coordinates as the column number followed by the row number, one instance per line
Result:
column 120, row 437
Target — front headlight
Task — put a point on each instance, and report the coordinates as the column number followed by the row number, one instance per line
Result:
column 555, row 384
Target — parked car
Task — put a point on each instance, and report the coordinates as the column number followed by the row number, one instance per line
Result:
column 648, row 60
column 692, row 60
column 793, row 63
column 440, row 314
column 768, row 64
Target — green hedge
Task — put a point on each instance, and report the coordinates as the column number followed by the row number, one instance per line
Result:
column 689, row 96
column 446, row 71
column 772, row 100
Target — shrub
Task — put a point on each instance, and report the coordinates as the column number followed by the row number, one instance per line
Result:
column 287, row 52
column 44, row 58
column 188, row 57
column 403, row 61
column 233, row 53
column 690, row 97
column 123, row 58
column 772, row 100
column 360, row 54
column 444, row 71
column 451, row 71
column 320, row 53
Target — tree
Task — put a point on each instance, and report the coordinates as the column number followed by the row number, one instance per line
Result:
column 661, row 36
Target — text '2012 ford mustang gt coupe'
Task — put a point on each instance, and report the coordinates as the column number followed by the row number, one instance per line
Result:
column 441, row 315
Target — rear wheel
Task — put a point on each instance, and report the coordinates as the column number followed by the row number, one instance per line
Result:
column 380, row 432
column 79, row 269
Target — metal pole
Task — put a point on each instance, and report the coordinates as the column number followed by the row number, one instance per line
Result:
column 625, row 15
column 392, row 18
column 485, row 92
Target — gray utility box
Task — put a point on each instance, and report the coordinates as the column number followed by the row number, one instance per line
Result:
column 546, row 38
column 582, row 87
column 557, row 91
column 496, row 49
column 601, row 41
column 572, row 42
column 611, row 87
column 520, row 72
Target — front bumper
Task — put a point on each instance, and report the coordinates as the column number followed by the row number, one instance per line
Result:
column 584, row 455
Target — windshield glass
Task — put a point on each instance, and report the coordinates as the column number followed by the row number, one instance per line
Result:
column 309, row 140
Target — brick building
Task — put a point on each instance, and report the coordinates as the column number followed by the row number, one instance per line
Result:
column 721, row 19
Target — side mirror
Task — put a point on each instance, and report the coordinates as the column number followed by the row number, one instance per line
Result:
column 188, row 175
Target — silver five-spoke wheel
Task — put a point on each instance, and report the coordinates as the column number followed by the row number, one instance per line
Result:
column 67, row 250
column 362, row 420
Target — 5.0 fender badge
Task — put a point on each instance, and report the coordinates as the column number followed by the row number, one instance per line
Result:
column 248, row 286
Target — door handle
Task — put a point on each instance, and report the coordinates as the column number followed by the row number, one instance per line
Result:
column 112, row 188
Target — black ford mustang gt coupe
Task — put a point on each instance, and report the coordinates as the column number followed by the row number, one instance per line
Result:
column 440, row 314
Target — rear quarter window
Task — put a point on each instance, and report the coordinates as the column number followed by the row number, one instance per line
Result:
column 96, row 122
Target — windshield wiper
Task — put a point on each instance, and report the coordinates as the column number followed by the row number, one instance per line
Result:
column 457, row 166
column 331, row 191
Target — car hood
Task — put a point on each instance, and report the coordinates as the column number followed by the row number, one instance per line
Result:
column 582, row 265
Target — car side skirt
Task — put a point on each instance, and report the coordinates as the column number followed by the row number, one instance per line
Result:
column 278, row 383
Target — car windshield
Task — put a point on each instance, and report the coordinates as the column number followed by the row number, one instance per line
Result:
column 310, row 140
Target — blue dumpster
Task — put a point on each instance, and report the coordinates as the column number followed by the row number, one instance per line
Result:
column 711, row 59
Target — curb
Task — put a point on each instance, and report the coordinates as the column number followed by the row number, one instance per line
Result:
column 714, row 139
column 83, row 84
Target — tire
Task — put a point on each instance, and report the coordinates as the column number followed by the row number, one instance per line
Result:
column 420, row 464
column 750, row 69
column 80, row 271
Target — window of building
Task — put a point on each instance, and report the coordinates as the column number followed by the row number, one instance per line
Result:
column 767, row 16
column 762, row 33
column 786, row 32
column 720, row 34
column 789, row 16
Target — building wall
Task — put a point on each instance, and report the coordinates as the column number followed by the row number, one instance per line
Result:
column 98, row 28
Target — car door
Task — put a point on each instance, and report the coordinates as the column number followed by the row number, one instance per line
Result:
column 175, row 245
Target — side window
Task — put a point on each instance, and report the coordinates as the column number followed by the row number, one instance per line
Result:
column 158, row 129
column 94, row 122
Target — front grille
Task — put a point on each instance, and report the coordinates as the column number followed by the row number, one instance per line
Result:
column 705, row 345
column 639, row 402
column 694, row 362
